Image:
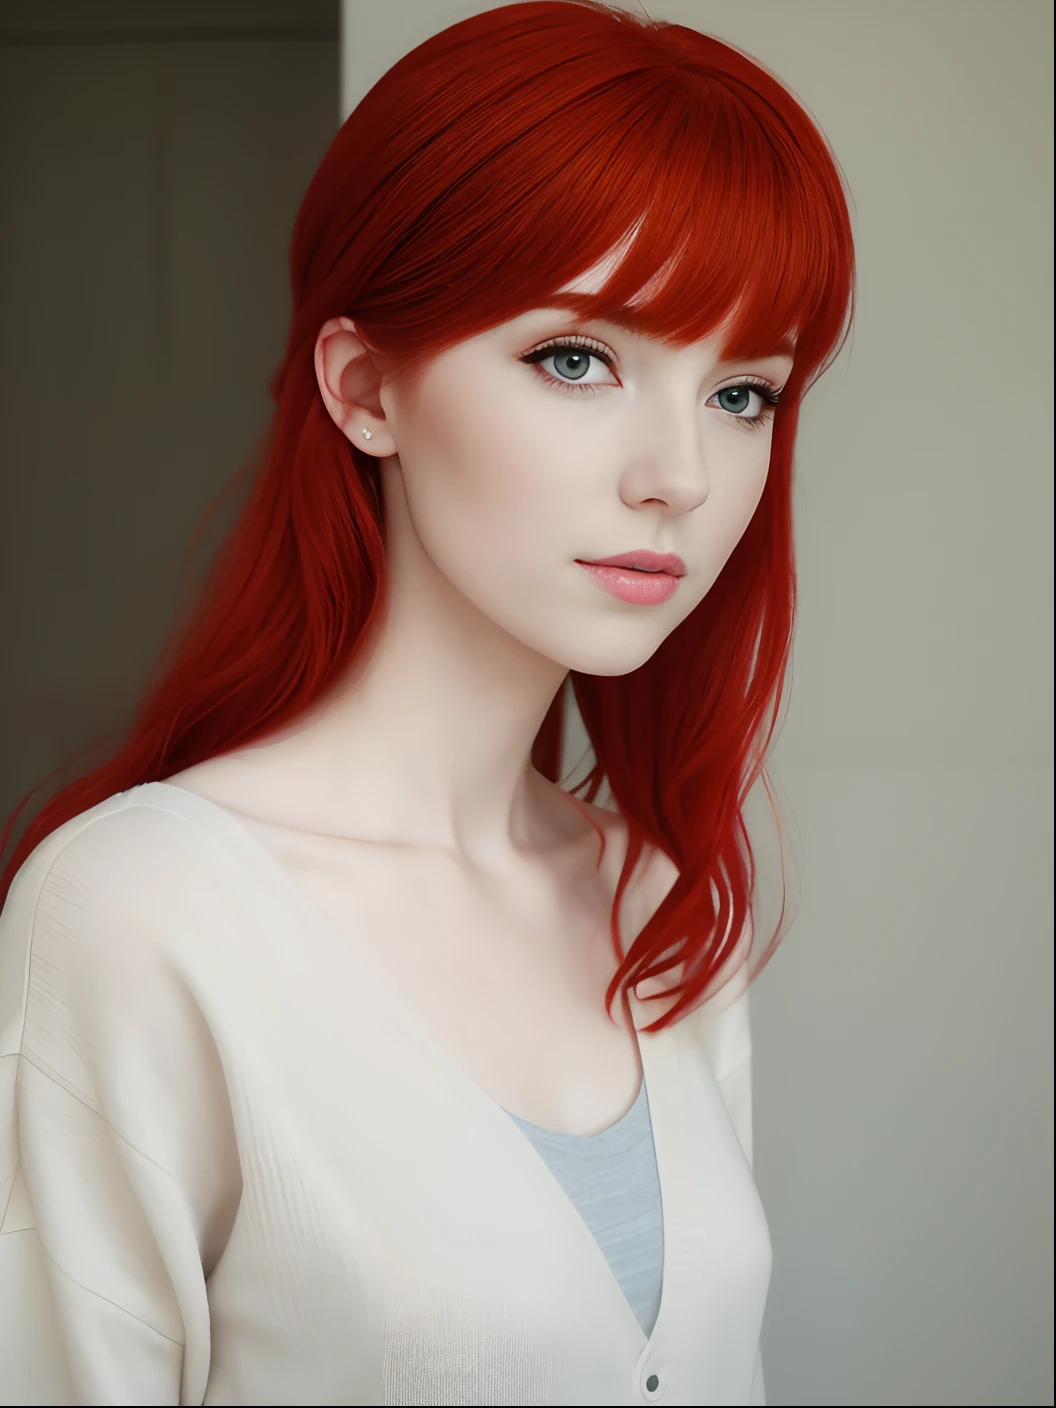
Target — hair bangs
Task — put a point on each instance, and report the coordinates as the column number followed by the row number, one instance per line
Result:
column 719, row 246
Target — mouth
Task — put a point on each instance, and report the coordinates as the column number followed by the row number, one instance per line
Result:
column 644, row 578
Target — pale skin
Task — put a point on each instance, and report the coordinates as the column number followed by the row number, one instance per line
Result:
column 404, row 805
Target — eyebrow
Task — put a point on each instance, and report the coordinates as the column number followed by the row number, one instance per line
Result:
column 566, row 303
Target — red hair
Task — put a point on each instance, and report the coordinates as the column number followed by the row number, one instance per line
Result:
column 488, row 168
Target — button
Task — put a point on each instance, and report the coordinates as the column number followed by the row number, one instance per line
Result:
column 654, row 1382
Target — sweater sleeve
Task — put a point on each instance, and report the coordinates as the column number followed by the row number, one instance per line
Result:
column 119, row 1167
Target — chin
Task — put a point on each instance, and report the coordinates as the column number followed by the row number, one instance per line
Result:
column 592, row 643
column 608, row 660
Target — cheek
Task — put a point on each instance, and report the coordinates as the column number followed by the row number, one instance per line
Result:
column 722, row 521
column 748, row 489
column 742, row 462
column 483, row 482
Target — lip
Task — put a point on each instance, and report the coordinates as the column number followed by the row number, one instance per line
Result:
column 641, row 560
column 645, row 578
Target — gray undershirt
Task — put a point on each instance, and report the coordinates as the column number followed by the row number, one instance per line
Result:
column 612, row 1182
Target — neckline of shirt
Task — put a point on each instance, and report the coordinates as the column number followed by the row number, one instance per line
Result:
column 629, row 1130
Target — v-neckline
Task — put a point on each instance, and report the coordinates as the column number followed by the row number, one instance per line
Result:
column 658, row 1054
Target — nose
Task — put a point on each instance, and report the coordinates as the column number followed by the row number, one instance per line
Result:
column 669, row 473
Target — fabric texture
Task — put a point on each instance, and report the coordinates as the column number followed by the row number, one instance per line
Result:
column 611, row 1180
column 234, row 1169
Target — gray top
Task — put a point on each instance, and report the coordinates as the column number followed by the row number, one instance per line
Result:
column 612, row 1182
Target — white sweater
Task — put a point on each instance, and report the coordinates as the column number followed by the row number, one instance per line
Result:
column 234, row 1169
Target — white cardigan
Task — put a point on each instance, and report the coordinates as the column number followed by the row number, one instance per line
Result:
column 233, row 1168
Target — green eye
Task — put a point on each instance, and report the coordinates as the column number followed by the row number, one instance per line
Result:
column 579, row 353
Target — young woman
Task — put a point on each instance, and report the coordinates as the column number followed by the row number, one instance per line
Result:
column 350, row 1058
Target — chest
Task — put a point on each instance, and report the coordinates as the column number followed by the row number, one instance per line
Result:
column 509, row 979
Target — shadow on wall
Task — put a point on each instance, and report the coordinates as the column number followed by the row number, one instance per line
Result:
column 155, row 156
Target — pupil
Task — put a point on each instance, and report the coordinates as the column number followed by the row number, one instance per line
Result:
column 578, row 358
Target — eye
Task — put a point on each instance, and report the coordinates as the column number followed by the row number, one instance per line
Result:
column 572, row 355
column 571, row 358
column 742, row 393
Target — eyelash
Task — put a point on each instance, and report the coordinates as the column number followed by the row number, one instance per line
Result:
column 771, row 396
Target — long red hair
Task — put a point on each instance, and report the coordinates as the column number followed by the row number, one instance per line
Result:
column 489, row 167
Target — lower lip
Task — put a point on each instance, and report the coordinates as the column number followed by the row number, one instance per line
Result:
column 644, row 588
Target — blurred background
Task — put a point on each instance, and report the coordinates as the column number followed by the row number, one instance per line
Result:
column 152, row 158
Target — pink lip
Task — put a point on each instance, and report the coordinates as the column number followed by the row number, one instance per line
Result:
column 643, row 560
column 646, row 578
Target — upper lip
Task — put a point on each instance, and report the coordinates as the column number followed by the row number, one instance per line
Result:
column 643, row 559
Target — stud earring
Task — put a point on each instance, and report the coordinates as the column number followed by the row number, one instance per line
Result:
column 366, row 433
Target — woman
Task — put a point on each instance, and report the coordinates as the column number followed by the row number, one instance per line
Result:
column 320, row 1089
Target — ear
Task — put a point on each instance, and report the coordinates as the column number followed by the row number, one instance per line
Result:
column 350, row 383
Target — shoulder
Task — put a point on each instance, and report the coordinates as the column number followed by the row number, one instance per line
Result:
column 114, row 1087
column 96, row 917
column 131, row 851
column 97, row 993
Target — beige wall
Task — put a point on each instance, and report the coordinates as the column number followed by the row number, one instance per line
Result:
column 904, row 1030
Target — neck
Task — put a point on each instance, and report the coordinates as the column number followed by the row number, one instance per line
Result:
column 427, row 740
